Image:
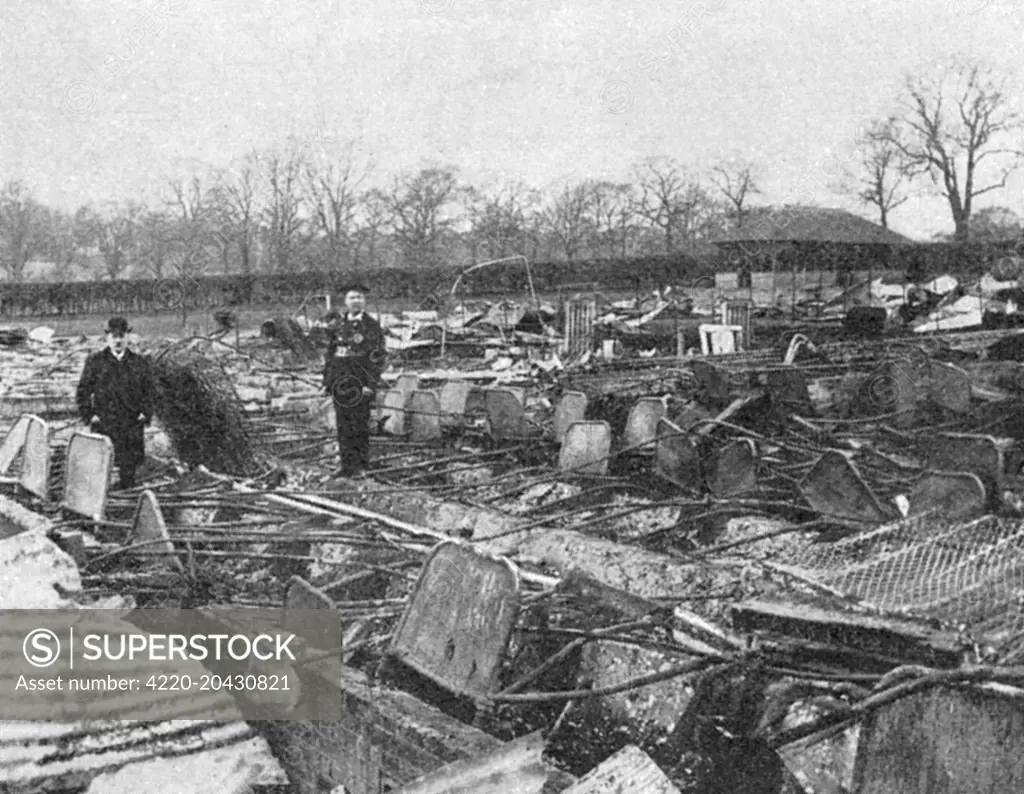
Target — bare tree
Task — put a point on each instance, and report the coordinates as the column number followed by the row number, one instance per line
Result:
column 879, row 178
column 498, row 220
column 191, row 204
column 709, row 218
column 114, row 231
column 669, row 200
column 67, row 245
column 332, row 185
column 568, row 219
column 23, row 229
column 613, row 209
column 422, row 206
column 373, row 218
column 156, row 238
column 283, row 169
column 190, row 200
column 240, row 203
column 952, row 124
column 736, row 181
column 191, row 207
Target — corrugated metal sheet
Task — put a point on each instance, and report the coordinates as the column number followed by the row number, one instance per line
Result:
column 164, row 756
column 237, row 769
column 49, row 754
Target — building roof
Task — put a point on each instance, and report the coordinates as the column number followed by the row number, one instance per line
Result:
column 797, row 223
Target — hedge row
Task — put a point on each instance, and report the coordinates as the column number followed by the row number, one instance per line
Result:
column 434, row 286
column 431, row 286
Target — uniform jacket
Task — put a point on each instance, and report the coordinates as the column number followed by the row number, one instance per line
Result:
column 356, row 353
column 117, row 392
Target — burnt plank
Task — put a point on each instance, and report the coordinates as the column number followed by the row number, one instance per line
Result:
column 910, row 641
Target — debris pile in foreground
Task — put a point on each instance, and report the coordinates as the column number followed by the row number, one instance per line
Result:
column 696, row 574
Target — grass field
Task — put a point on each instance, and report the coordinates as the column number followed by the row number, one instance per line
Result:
column 201, row 323
column 156, row 325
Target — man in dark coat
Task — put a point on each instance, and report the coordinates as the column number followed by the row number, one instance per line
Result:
column 115, row 398
column 356, row 354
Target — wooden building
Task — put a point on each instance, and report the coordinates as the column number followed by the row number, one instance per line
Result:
column 793, row 237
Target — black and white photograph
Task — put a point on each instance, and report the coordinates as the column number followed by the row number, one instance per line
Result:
column 511, row 397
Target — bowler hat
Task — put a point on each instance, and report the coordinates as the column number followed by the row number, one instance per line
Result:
column 117, row 325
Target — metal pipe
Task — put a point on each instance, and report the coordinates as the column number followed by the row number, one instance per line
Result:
column 327, row 507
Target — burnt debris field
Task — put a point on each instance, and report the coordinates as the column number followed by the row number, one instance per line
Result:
column 783, row 559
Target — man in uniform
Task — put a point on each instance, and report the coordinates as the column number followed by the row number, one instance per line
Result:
column 355, row 359
column 115, row 398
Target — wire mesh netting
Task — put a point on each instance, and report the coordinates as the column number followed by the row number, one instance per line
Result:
column 966, row 575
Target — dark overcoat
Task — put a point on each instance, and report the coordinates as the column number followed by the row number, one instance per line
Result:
column 118, row 392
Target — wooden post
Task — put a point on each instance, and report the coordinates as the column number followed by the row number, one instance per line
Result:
column 775, row 269
column 792, row 308
column 821, row 294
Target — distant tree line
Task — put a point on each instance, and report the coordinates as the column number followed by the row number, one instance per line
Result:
column 292, row 210
column 321, row 205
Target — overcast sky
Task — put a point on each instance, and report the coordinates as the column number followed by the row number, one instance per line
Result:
column 538, row 90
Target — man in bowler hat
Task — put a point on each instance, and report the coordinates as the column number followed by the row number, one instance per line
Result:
column 356, row 354
column 115, row 398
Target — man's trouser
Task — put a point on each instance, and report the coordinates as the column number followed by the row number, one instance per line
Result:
column 354, row 435
column 129, row 451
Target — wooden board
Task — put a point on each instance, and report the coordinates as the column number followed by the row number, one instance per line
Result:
column 629, row 771
column 407, row 384
column 824, row 763
column 642, row 424
column 572, row 407
column 424, row 417
column 393, row 411
column 515, row 766
column 676, row 457
column 149, row 527
column 834, row 488
column 943, row 741
column 13, row 443
column 454, row 397
column 586, row 447
column 891, row 389
column 90, row 457
column 35, row 461
column 950, row 387
column 950, row 495
column 459, row 619
column 302, row 596
column 912, row 641
column 505, row 414
column 735, row 469
column 978, row 454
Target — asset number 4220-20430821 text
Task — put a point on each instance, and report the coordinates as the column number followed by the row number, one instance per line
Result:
column 249, row 683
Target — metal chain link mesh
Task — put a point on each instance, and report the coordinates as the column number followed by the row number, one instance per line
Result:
column 966, row 575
